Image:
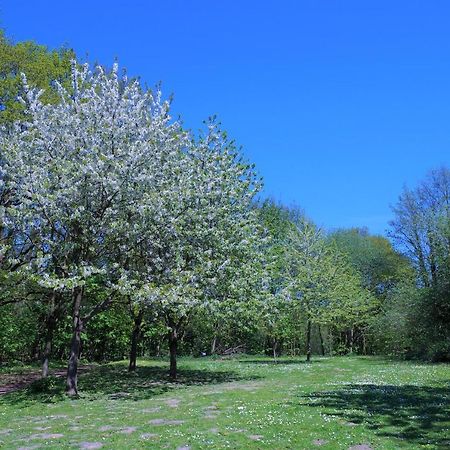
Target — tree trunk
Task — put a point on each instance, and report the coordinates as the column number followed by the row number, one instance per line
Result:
column 75, row 346
column 274, row 348
column 35, row 353
column 213, row 344
column 134, row 340
column 322, row 346
column 331, row 341
column 47, row 348
column 343, row 342
column 50, row 325
column 46, row 357
column 173, row 344
column 364, row 350
column 308, row 341
column 350, row 340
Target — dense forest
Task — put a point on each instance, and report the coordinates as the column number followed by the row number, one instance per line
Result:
column 124, row 235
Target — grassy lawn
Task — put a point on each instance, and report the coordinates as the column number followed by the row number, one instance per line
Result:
column 250, row 402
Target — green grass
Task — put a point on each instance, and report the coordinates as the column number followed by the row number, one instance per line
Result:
column 251, row 402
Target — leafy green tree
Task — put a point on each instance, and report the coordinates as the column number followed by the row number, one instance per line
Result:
column 421, row 229
column 324, row 283
column 421, row 226
column 41, row 66
column 381, row 268
column 374, row 257
column 276, row 220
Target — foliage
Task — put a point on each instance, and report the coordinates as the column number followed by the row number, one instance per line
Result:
column 422, row 226
column 18, row 332
column 422, row 229
column 108, row 336
column 41, row 65
column 379, row 265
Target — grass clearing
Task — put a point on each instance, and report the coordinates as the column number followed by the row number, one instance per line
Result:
column 249, row 402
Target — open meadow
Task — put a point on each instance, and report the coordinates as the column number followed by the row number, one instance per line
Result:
column 247, row 402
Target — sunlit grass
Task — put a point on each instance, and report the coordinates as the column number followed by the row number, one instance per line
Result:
column 249, row 402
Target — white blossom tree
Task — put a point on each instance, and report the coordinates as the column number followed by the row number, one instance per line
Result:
column 205, row 233
column 79, row 171
column 109, row 191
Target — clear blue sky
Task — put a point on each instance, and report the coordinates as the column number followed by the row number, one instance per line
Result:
column 339, row 103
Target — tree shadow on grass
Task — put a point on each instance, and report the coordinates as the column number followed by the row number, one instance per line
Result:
column 114, row 382
column 416, row 414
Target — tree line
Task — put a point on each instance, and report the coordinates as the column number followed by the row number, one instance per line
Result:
column 122, row 233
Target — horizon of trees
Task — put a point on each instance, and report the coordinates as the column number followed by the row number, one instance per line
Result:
column 123, row 234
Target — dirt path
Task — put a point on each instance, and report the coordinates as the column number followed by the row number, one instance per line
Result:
column 13, row 382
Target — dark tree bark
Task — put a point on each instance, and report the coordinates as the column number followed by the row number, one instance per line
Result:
column 174, row 335
column 134, row 339
column 308, row 341
column 75, row 346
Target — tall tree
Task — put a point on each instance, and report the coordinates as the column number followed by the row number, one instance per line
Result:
column 421, row 226
column 324, row 283
column 41, row 66
column 205, row 232
column 276, row 221
column 79, row 169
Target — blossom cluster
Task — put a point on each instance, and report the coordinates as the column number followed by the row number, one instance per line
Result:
column 106, row 184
